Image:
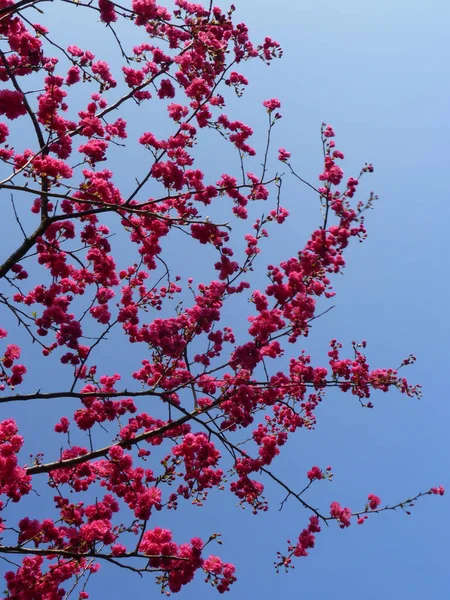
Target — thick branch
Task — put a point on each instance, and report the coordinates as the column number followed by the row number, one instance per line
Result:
column 80, row 555
column 264, row 385
column 10, row 10
column 72, row 462
column 79, row 395
column 27, row 244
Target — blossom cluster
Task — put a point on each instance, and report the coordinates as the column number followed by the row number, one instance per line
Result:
column 96, row 267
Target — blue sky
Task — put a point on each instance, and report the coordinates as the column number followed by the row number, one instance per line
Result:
column 378, row 72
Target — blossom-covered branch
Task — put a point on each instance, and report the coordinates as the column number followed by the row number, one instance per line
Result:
column 126, row 244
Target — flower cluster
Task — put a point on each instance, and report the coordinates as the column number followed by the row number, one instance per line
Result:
column 14, row 480
column 96, row 267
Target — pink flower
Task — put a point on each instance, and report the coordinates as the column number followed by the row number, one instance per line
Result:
column 4, row 132
column 328, row 132
column 283, row 155
column 213, row 564
column 272, row 104
column 342, row 515
column 73, row 75
column 94, row 150
column 107, row 12
column 62, row 426
column 315, row 473
column 118, row 550
column 12, row 104
column 166, row 89
column 12, row 353
column 374, row 501
column 101, row 68
column 177, row 111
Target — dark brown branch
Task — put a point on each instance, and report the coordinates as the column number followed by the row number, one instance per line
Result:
column 27, row 244
column 10, row 10
column 144, row 393
column 369, row 511
column 29, row 110
column 72, row 462
column 80, row 555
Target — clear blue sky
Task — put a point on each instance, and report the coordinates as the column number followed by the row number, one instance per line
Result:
column 378, row 72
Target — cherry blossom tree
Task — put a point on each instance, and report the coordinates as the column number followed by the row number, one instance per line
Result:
column 89, row 264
